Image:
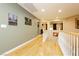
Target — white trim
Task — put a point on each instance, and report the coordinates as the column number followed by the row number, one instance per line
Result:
column 17, row 47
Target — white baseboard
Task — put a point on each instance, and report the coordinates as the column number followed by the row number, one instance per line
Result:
column 17, row 47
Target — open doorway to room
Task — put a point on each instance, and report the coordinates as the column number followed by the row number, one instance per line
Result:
column 56, row 26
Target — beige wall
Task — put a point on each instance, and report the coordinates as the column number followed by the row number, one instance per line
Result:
column 65, row 38
column 69, row 25
column 13, row 36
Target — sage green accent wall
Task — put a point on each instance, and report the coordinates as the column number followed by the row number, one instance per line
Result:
column 13, row 36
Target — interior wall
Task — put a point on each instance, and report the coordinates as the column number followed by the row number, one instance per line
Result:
column 58, row 26
column 64, row 41
column 13, row 36
column 69, row 24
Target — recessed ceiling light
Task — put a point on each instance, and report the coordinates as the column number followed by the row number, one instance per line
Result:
column 60, row 11
column 43, row 10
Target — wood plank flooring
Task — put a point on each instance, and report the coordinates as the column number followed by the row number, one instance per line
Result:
column 38, row 48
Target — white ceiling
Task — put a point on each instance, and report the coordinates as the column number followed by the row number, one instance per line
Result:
column 51, row 9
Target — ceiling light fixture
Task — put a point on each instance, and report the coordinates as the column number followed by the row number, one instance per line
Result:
column 60, row 11
column 43, row 10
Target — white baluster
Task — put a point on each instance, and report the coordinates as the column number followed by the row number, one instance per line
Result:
column 77, row 46
column 71, row 44
column 74, row 46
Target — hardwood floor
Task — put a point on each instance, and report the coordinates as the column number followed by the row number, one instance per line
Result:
column 38, row 48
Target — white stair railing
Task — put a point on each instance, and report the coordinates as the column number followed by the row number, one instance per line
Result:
column 69, row 43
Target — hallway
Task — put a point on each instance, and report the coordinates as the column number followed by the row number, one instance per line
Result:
column 38, row 48
column 39, row 29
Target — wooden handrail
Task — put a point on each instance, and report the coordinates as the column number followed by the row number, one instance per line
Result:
column 72, row 33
